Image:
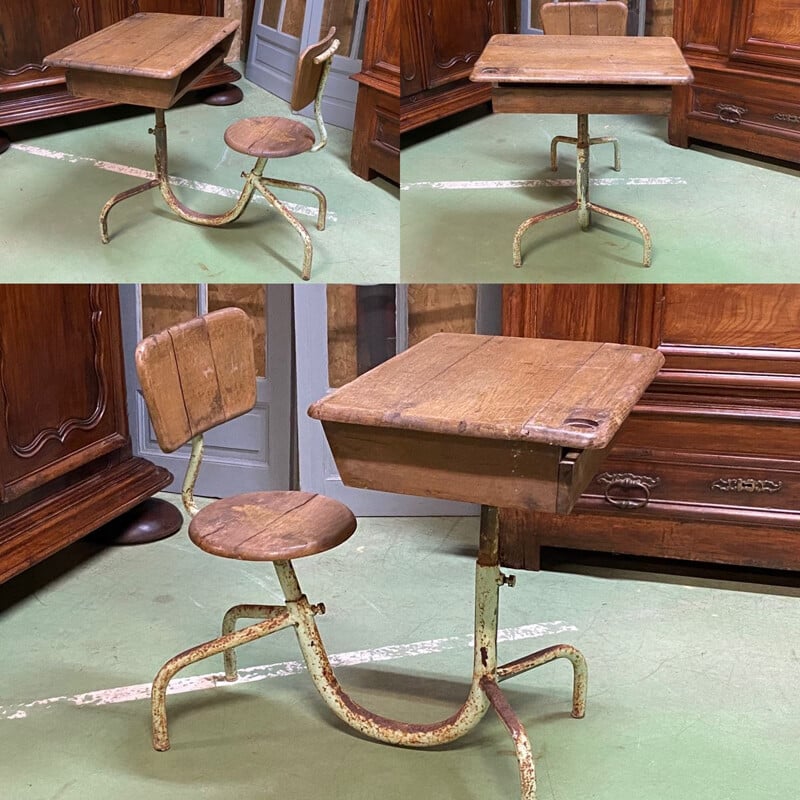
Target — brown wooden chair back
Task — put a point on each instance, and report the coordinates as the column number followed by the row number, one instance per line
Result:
column 308, row 75
column 197, row 374
column 585, row 19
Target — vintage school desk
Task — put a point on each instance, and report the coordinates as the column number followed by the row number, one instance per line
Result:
column 147, row 60
column 581, row 75
column 500, row 421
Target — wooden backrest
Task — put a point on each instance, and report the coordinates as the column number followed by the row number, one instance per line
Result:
column 197, row 374
column 585, row 19
column 309, row 74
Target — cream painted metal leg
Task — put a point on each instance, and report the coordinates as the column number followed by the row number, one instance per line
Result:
column 581, row 204
column 254, row 180
column 484, row 689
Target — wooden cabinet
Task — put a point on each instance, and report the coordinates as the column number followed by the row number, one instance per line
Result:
column 376, row 129
column 442, row 39
column 65, row 453
column 32, row 29
column 708, row 465
column 745, row 55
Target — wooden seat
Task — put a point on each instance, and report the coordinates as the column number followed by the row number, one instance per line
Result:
column 278, row 137
column 269, row 137
column 194, row 376
column 271, row 526
column 604, row 18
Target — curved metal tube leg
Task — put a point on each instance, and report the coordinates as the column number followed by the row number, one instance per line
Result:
column 374, row 725
column 646, row 240
column 554, row 149
column 198, row 653
column 580, row 670
column 522, row 745
column 609, row 140
column 118, row 198
column 232, row 615
column 303, row 187
column 292, row 220
column 556, row 212
column 556, row 140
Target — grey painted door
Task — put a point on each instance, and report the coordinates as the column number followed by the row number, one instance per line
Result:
column 317, row 469
column 283, row 28
column 252, row 452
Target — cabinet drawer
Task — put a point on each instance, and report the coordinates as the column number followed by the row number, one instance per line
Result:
column 691, row 489
column 749, row 111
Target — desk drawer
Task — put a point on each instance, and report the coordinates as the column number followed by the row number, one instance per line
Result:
column 505, row 473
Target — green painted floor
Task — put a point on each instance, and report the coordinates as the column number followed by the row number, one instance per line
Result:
column 713, row 217
column 692, row 689
column 56, row 177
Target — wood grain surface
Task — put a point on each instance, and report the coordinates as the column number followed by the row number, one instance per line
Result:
column 271, row 526
column 158, row 46
column 558, row 393
column 641, row 60
column 197, row 374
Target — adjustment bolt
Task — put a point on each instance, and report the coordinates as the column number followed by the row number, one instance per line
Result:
column 319, row 608
column 507, row 580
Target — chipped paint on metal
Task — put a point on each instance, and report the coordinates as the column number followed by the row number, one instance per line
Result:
column 175, row 180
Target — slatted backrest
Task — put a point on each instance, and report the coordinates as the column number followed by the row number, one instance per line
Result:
column 309, row 74
column 197, row 374
column 585, row 19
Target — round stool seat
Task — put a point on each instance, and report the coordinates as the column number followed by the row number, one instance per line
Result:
column 271, row 526
column 269, row 137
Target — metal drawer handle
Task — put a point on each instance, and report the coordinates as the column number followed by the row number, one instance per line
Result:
column 730, row 114
column 627, row 480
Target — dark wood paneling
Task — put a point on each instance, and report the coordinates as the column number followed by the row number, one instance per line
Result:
column 375, row 148
column 745, row 55
column 65, row 452
column 715, row 439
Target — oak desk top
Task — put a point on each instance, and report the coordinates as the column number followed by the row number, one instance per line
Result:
column 145, row 59
column 562, row 393
column 617, row 60
column 503, row 421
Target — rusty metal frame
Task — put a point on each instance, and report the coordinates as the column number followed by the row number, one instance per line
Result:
column 254, row 180
column 484, row 691
column 581, row 204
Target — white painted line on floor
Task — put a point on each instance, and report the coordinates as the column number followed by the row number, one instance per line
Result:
column 141, row 691
column 538, row 182
column 135, row 172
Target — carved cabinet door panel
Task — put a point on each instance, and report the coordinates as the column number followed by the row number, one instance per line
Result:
column 705, row 28
column 61, row 396
column 457, row 32
column 767, row 32
column 29, row 30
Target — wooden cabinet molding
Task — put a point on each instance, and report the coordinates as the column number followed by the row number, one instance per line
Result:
column 745, row 55
column 65, row 452
column 441, row 42
column 714, row 442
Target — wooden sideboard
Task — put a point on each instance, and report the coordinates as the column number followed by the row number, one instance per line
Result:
column 745, row 56
column 707, row 467
column 418, row 55
column 65, row 453
column 376, row 129
column 32, row 29
column 442, row 39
